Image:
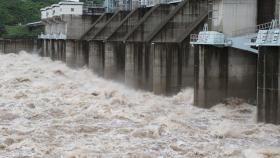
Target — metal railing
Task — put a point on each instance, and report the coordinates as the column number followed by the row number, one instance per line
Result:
column 151, row 3
column 206, row 38
column 52, row 36
column 268, row 37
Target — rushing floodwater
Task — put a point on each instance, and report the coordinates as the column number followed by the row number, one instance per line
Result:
column 49, row 110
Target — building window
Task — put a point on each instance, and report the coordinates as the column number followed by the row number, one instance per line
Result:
column 72, row 9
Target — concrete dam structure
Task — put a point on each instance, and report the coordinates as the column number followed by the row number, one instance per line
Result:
column 230, row 62
column 213, row 46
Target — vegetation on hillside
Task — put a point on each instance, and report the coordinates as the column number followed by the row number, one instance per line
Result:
column 13, row 13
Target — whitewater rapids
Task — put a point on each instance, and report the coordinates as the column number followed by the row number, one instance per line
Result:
column 51, row 111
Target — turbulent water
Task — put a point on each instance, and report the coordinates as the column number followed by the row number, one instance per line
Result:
column 49, row 110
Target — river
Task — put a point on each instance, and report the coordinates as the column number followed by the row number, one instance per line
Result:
column 51, row 111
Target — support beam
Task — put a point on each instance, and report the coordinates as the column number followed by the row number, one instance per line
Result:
column 178, row 25
column 149, row 23
column 110, row 26
column 128, row 23
column 96, row 26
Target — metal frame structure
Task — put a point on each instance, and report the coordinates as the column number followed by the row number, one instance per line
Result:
column 267, row 36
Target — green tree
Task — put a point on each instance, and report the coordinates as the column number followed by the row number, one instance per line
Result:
column 2, row 29
column 15, row 12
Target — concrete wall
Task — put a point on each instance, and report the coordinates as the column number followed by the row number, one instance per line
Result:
column 73, row 26
column 128, row 24
column 66, row 8
column 230, row 16
column 268, row 85
column 56, row 27
column 267, row 10
column 277, row 9
column 222, row 73
column 76, row 26
column 17, row 45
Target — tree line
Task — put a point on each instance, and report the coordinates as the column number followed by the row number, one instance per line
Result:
column 15, row 13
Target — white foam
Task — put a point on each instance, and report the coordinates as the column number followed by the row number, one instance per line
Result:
column 49, row 110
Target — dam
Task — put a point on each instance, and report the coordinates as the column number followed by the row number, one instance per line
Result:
column 143, row 79
column 221, row 48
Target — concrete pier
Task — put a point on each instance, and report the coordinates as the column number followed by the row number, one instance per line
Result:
column 113, row 53
column 114, row 64
column 268, row 85
column 173, row 66
column 96, row 48
column 62, row 50
column 58, row 50
column 49, row 48
column 96, row 57
column 116, row 40
column 138, row 66
column 222, row 73
column 53, row 48
column 170, row 44
column 76, row 53
column 44, row 48
column 139, row 61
